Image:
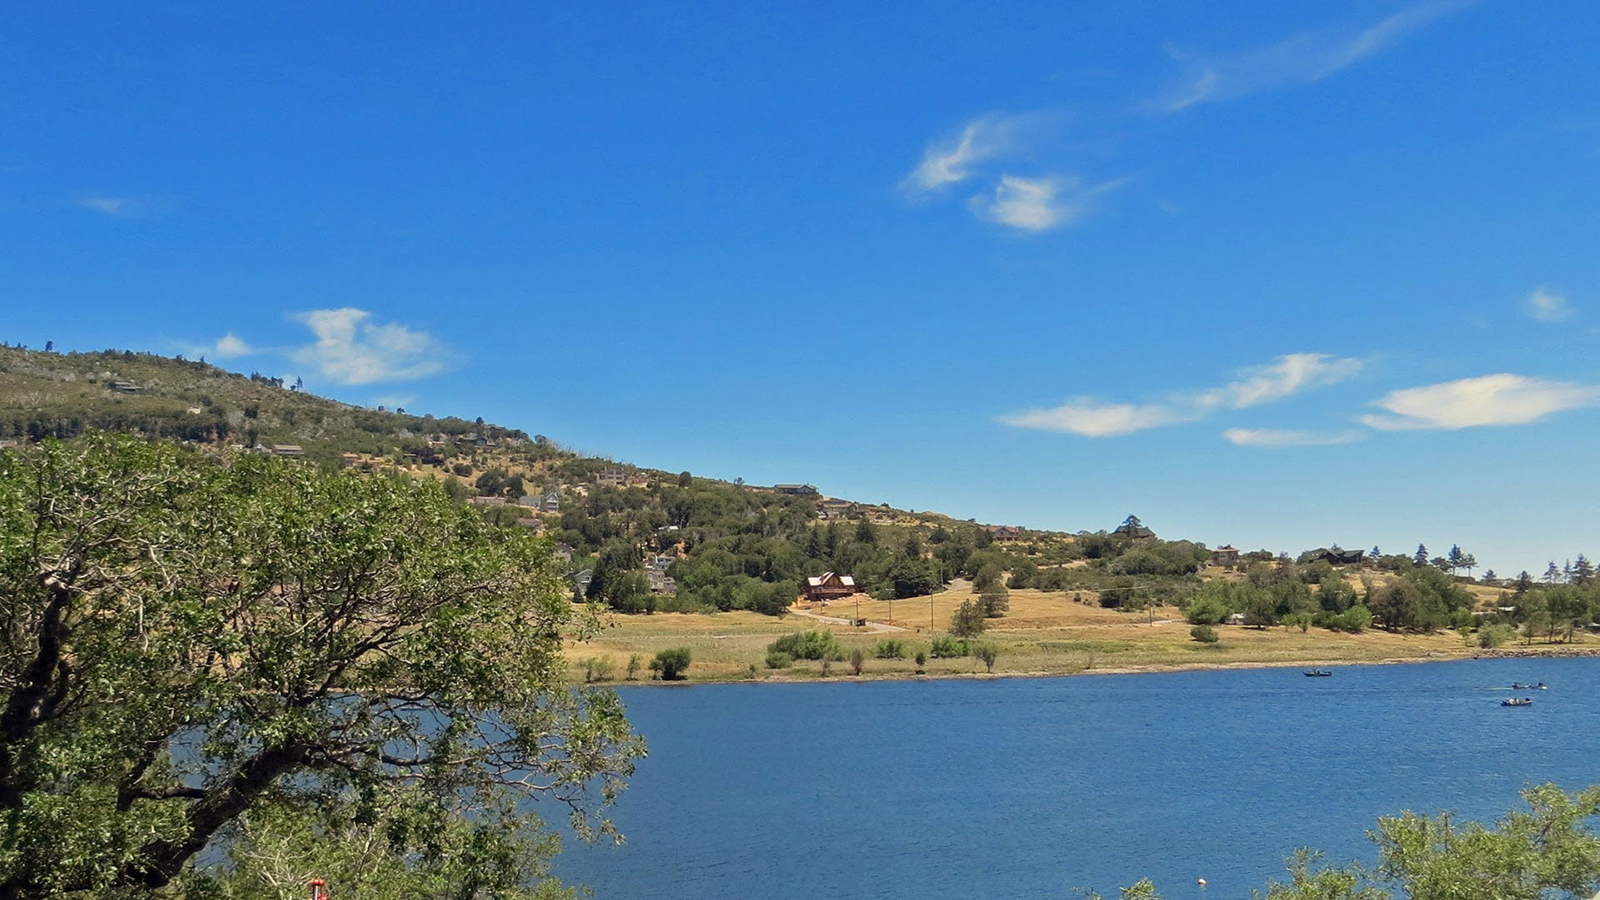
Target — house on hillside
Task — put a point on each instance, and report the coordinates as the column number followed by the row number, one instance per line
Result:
column 580, row 581
column 1133, row 529
column 125, row 387
column 611, row 478
column 487, row 501
column 1004, row 533
column 1226, row 555
column 349, row 460
column 835, row 509
column 532, row 523
column 829, row 586
column 562, row 551
column 288, row 451
column 1340, row 557
column 796, row 490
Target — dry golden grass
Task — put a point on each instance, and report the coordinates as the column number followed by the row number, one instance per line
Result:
column 1042, row 634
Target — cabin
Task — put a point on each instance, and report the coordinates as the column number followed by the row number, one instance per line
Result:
column 829, row 586
column 288, row 451
column 796, row 490
column 1004, row 534
column 1133, row 529
column 1226, row 555
column 349, row 460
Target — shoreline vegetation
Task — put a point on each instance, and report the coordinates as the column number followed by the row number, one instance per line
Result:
column 1043, row 634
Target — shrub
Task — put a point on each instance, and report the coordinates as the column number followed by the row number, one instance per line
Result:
column 777, row 659
column 1492, row 636
column 633, row 666
column 967, row 621
column 597, row 668
column 891, row 649
column 995, row 603
column 988, row 653
column 921, row 659
column 1205, row 634
column 1207, row 609
column 857, row 660
column 1354, row 620
column 809, row 645
column 1301, row 621
column 947, row 647
column 671, row 663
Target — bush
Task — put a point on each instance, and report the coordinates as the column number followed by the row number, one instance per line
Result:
column 1301, row 621
column 597, row 668
column 988, row 653
column 857, row 660
column 1205, row 634
column 995, row 603
column 967, row 621
column 809, row 645
column 1207, row 609
column 671, row 663
column 1354, row 620
column 921, row 660
column 890, row 649
column 1492, row 636
column 947, row 647
column 777, row 659
column 633, row 666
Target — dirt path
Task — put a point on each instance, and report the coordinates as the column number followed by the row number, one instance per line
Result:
column 872, row 627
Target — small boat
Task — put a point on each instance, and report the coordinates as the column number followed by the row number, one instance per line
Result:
column 1317, row 673
column 1538, row 686
column 1517, row 701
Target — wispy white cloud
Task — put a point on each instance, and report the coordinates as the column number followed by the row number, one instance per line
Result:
column 1087, row 417
column 1284, row 376
column 109, row 206
column 1547, row 307
column 1502, row 399
column 229, row 346
column 1303, row 58
column 1039, row 204
column 1287, row 437
column 352, row 349
column 952, row 159
column 394, row 401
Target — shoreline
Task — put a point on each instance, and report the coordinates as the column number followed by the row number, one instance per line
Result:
column 1570, row 652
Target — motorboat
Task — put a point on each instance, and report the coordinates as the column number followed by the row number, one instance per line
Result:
column 1517, row 701
column 1317, row 673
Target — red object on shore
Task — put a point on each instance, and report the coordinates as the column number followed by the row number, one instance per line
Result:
column 317, row 892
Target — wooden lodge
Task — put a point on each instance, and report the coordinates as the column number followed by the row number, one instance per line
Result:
column 829, row 586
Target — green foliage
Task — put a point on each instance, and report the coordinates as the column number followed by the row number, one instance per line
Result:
column 1301, row 621
column 857, row 660
column 671, row 663
column 1547, row 850
column 891, row 648
column 816, row 644
column 777, row 659
column 946, row 647
column 1205, row 634
column 995, row 602
column 598, row 668
column 270, row 618
column 967, row 621
column 1492, row 636
column 921, row 660
column 987, row 653
column 1211, row 605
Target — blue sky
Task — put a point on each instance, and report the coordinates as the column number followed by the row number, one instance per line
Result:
column 1285, row 277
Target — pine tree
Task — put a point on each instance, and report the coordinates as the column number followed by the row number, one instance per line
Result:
column 1552, row 575
column 1453, row 560
column 1421, row 557
column 1582, row 570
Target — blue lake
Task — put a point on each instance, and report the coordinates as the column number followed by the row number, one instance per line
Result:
column 1034, row 787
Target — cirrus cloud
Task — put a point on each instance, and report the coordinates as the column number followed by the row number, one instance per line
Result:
column 1254, row 386
column 1502, row 399
column 1287, row 437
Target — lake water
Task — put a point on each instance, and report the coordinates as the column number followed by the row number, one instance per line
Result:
column 1033, row 787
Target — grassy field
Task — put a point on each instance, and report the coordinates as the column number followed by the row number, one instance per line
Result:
column 1042, row 634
